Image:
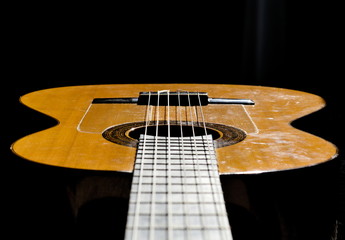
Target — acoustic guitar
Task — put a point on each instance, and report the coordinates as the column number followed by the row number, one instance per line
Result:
column 176, row 139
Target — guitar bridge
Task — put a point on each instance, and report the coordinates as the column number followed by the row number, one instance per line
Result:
column 175, row 99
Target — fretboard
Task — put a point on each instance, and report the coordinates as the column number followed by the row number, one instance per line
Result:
column 176, row 191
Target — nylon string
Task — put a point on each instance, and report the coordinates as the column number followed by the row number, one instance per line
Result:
column 225, row 234
column 196, row 156
column 138, row 200
column 170, row 211
column 153, row 196
column 183, row 153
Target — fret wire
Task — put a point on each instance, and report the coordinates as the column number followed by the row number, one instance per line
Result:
column 161, row 211
column 176, row 202
column 163, row 158
column 177, row 198
column 181, row 177
column 177, row 166
column 189, row 159
column 182, row 192
column 178, row 193
column 190, row 228
column 175, row 161
column 182, row 215
column 172, row 183
column 200, row 146
column 176, row 139
column 190, row 155
column 178, row 163
column 174, row 150
column 176, row 172
column 164, row 152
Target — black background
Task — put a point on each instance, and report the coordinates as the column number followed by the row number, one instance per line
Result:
column 272, row 43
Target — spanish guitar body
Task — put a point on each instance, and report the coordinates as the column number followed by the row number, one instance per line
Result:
column 177, row 139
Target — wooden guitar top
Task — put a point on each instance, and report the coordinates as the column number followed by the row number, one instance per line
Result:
column 271, row 143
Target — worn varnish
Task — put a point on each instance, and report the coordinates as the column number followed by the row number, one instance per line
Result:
column 271, row 143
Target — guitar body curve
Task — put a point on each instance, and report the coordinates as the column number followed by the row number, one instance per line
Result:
column 270, row 144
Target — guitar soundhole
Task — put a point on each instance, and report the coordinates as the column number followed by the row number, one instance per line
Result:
column 129, row 133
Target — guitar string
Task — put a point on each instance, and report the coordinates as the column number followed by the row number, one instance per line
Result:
column 183, row 174
column 203, row 143
column 208, row 157
column 170, row 223
column 225, row 233
column 184, row 183
column 153, row 196
column 138, row 200
column 196, row 159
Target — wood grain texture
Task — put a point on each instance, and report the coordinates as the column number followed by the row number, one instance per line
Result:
column 272, row 144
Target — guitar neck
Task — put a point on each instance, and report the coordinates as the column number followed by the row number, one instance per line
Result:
column 176, row 191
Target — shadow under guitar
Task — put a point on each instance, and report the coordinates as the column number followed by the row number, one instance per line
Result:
column 276, row 206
